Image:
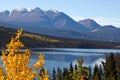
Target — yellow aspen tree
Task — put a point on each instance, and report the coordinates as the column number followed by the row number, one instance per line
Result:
column 16, row 62
column 2, row 74
column 39, row 66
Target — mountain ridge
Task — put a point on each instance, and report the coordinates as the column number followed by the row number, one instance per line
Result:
column 55, row 23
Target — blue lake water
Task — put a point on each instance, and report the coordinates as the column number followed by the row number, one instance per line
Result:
column 62, row 57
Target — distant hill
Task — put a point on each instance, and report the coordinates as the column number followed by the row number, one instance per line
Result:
column 57, row 24
column 36, row 40
column 89, row 24
column 109, row 33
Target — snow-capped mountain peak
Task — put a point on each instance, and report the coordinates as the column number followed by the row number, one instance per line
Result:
column 22, row 9
column 53, row 10
column 28, row 9
column 19, row 11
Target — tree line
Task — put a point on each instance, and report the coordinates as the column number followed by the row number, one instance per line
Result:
column 109, row 70
column 32, row 40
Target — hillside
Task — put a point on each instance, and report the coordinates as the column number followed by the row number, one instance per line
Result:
column 36, row 40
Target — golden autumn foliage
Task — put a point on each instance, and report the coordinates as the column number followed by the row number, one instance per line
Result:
column 42, row 38
column 15, row 63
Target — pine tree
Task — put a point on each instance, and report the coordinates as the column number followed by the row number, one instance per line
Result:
column 71, row 68
column 110, row 72
column 112, row 67
column 54, row 74
column 117, row 57
column 59, row 74
column 97, row 73
column 71, row 71
column 76, row 67
column 66, row 74
column 90, row 73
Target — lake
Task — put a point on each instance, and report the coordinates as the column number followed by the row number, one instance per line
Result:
column 62, row 57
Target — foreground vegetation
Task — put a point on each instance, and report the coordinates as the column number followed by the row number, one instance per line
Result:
column 36, row 40
column 109, row 70
column 16, row 63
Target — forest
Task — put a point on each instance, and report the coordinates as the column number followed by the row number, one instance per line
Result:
column 32, row 40
column 109, row 70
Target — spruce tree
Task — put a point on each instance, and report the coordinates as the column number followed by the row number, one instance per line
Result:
column 59, row 74
column 66, row 74
column 71, row 71
column 71, row 68
column 110, row 72
column 97, row 73
column 82, row 70
column 117, row 57
column 90, row 73
column 76, row 67
column 54, row 74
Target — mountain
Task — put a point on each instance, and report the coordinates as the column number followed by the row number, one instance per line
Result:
column 103, row 33
column 107, row 33
column 89, row 24
column 58, row 24
column 39, row 18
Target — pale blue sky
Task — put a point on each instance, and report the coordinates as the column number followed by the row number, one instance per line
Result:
column 103, row 11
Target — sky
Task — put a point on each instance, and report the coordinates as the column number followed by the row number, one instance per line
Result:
column 104, row 12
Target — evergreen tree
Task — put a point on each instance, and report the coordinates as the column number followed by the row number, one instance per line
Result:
column 71, row 71
column 112, row 67
column 59, row 74
column 71, row 68
column 117, row 57
column 54, row 74
column 82, row 71
column 90, row 73
column 76, row 67
column 97, row 73
column 110, row 72
column 66, row 74
column 106, row 72
column 101, row 72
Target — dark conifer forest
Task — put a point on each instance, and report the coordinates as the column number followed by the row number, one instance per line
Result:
column 32, row 40
column 109, row 70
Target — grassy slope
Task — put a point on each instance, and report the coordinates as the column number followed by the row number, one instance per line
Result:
column 37, row 40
